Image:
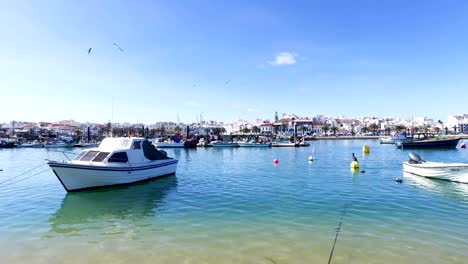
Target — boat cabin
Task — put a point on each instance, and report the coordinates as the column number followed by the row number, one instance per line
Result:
column 121, row 151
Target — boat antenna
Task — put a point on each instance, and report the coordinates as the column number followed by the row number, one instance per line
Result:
column 338, row 229
column 112, row 117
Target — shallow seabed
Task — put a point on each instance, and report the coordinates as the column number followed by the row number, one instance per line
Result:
column 235, row 206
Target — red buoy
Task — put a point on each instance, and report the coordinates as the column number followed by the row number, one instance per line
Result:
column 463, row 145
column 275, row 161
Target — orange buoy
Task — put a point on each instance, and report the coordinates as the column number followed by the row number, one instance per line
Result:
column 275, row 161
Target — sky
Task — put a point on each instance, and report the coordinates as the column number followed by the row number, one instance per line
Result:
column 231, row 60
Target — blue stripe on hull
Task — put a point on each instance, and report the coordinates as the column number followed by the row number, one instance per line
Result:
column 99, row 168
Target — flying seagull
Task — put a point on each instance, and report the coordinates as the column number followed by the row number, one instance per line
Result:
column 89, row 51
column 227, row 82
column 117, row 46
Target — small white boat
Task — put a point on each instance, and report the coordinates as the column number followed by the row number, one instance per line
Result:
column 30, row 145
column 224, row 144
column 116, row 161
column 169, row 144
column 59, row 144
column 401, row 137
column 284, row 144
column 254, row 144
column 456, row 172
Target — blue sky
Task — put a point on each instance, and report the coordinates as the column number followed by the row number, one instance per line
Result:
column 352, row 58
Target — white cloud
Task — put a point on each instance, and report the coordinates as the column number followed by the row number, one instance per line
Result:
column 285, row 58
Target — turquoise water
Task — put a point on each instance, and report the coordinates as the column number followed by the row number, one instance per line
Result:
column 234, row 206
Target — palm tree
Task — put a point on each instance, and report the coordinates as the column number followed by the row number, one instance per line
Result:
column 334, row 129
column 108, row 127
column 374, row 127
column 303, row 129
column 400, row 128
column 256, row 129
column 437, row 129
column 446, row 130
column 245, row 130
column 364, row 130
column 325, row 128
column 455, row 129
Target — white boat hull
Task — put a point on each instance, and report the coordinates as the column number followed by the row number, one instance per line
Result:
column 76, row 177
column 456, row 172
column 254, row 145
column 39, row 145
column 59, row 145
column 225, row 145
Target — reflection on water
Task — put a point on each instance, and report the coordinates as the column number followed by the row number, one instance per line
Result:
column 438, row 186
column 97, row 208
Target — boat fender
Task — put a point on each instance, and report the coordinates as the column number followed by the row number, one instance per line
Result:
column 354, row 165
column 275, row 161
column 399, row 180
column 366, row 149
column 463, row 146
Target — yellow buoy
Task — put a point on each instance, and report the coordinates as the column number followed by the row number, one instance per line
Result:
column 366, row 149
column 354, row 165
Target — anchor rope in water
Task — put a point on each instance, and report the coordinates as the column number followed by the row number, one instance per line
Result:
column 338, row 229
column 19, row 175
column 20, row 180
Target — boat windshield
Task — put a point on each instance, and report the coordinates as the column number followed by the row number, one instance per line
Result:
column 115, row 143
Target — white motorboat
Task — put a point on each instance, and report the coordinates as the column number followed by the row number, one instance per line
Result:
column 401, row 137
column 224, row 144
column 456, row 172
column 116, row 161
column 282, row 143
column 30, row 145
column 169, row 144
column 254, row 144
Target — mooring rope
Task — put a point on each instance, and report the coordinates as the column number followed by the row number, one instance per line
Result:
column 20, row 180
column 338, row 229
column 19, row 175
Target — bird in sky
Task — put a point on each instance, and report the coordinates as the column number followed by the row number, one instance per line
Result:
column 89, row 51
column 117, row 46
column 227, row 82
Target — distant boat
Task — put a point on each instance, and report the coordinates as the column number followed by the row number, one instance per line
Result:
column 403, row 137
column 82, row 144
column 456, row 172
column 116, row 161
column 7, row 144
column 169, row 144
column 59, row 144
column 30, row 145
column 284, row 144
column 428, row 141
column 224, row 144
column 253, row 143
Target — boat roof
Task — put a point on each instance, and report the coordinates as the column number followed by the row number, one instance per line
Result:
column 118, row 143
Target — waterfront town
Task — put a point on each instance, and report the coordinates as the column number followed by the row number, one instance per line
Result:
column 282, row 125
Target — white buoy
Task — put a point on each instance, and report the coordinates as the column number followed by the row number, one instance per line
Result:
column 311, row 158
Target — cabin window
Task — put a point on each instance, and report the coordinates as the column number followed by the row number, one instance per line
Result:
column 101, row 156
column 119, row 157
column 80, row 155
column 137, row 145
column 89, row 156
